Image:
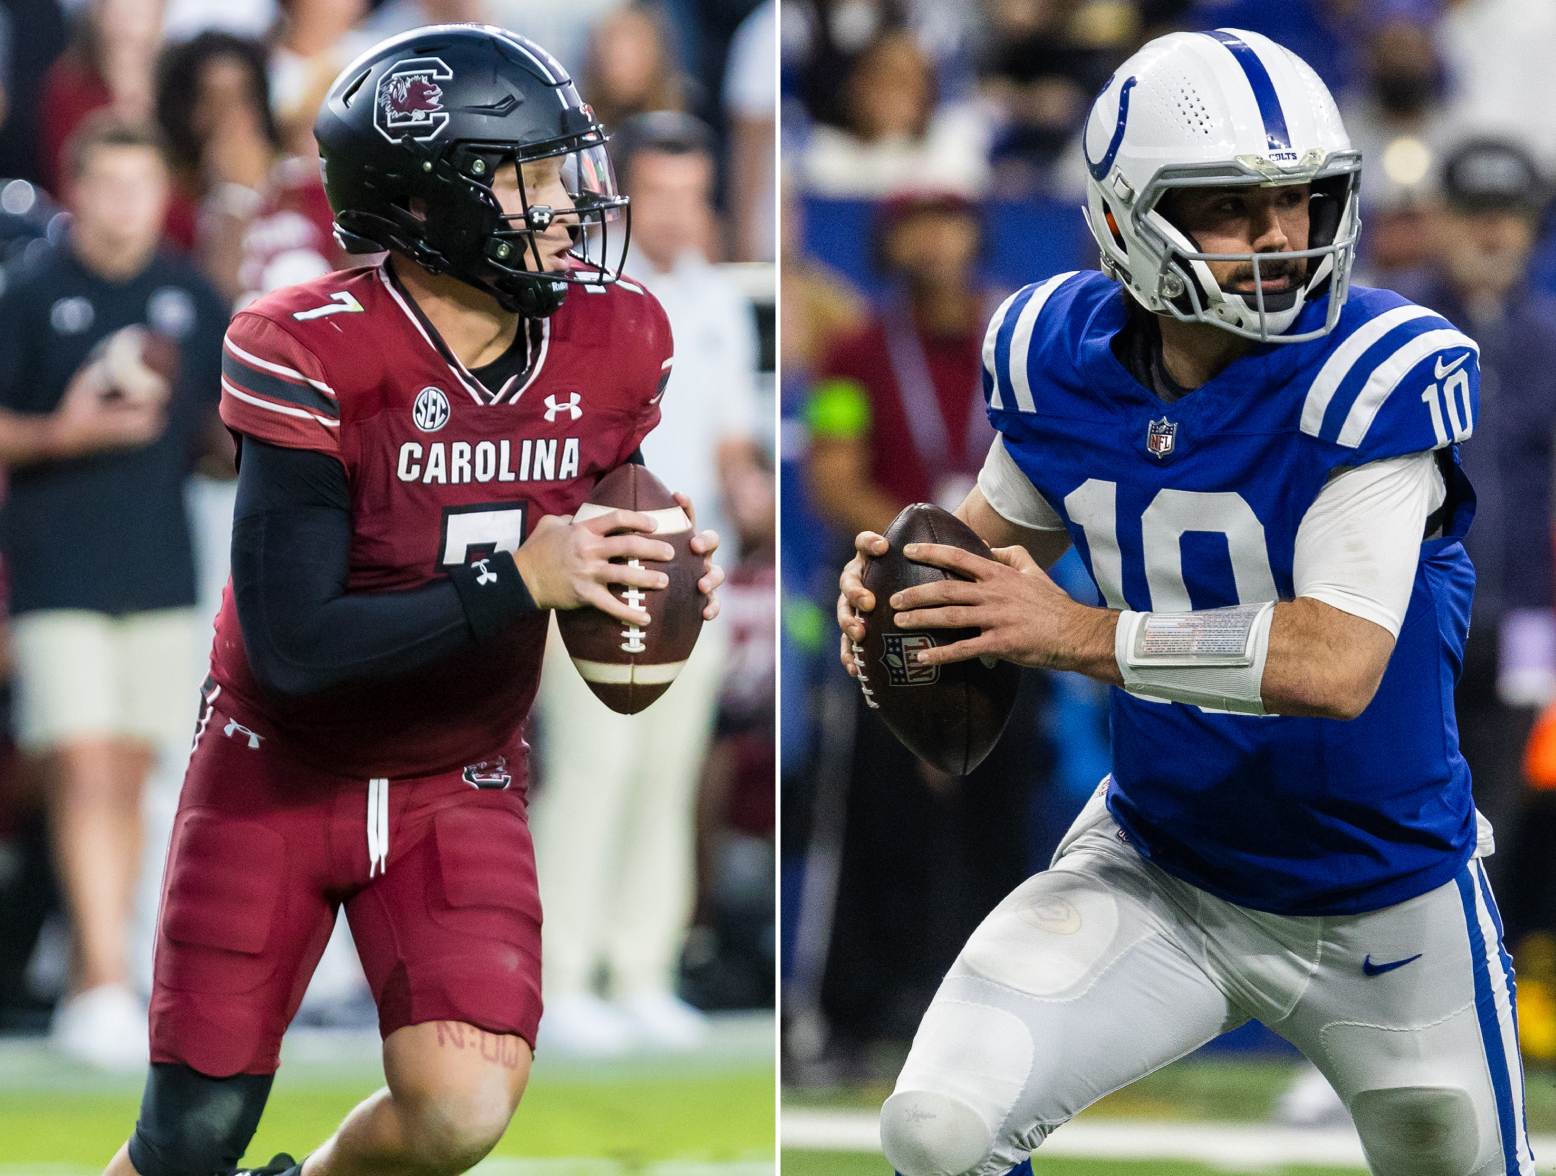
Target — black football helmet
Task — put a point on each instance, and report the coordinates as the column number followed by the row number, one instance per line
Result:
column 413, row 135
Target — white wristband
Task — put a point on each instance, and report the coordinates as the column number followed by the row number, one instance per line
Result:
column 1212, row 658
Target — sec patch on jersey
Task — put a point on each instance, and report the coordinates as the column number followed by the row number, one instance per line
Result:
column 950, row 716
column 628, row 667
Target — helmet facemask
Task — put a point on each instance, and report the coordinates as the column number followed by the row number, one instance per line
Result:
column 1168, row 273
column 577, row 193
column 454, row 221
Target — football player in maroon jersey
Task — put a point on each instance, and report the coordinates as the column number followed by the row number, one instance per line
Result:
column 413, row 438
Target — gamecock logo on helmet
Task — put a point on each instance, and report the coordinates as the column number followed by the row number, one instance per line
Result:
column 409, row 101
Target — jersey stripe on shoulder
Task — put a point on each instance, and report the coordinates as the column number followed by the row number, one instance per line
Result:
column 990, row 340
column 274, row 382
column 278, row 369
column 1387, row 375
column 271, row 406
column 1009, row 342
column 1345, row 357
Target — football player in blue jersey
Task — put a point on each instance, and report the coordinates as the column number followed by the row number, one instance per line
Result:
column 1258, row 464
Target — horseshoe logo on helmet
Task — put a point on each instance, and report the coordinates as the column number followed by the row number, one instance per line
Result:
column 1099, row 170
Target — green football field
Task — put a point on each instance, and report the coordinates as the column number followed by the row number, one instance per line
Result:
column 710, row 1115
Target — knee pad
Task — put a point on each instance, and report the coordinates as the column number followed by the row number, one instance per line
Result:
column 194, row 1125
column 924, row 1133
column 1418, row 1130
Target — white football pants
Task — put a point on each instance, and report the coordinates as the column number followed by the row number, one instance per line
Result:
column 1103, row 968
column 614, row 822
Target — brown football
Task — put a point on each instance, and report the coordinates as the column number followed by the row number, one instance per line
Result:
column 628, row 667
column 953, row 715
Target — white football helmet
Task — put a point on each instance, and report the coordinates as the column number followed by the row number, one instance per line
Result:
column 1215, row 109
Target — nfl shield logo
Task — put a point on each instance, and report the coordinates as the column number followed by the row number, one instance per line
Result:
column 1160, row 437
column 901, row 670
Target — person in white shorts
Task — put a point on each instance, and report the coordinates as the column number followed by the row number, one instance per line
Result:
column 1259, row 465
column 97, row 543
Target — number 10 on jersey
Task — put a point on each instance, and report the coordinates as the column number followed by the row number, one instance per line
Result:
column 1453, row 395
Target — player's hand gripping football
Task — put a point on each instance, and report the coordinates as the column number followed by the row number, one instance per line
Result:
column 1022, row 615
column 568, row 565
column 854, row 597
column 704, row 543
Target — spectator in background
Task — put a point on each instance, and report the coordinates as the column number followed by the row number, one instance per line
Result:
column 614, row 819
column 315, row 41
column 98, row 549
column 1397, row 110
column 39, row 34
column 111, row 62
column 751, row 110
column 1493, row 199
column 213, row 103
column 894, row 134
column 630, row 67
column 665, row 164
column 1043, row 69
column 826, row 38
column 729, row 956
column 897, row 414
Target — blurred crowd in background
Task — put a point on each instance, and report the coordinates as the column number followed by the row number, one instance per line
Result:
column 932, row 166
column 159, row 172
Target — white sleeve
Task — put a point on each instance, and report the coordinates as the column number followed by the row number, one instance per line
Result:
column 1358, row 544
column 1011, row 493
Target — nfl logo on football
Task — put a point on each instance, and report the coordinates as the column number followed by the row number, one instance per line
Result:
column 900, row 668
column 1160, row 436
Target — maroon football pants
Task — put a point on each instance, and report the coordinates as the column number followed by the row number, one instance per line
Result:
column 437, row 875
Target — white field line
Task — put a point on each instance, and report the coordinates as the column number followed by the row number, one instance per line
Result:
column 1232, row 1145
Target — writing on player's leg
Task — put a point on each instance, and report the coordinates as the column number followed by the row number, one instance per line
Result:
column 451, row 1090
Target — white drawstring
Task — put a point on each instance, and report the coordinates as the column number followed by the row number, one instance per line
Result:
column 377, row 826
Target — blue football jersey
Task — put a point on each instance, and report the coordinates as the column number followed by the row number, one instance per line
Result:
column 1195, row 505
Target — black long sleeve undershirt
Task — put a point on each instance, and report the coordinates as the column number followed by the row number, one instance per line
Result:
column 303, row 631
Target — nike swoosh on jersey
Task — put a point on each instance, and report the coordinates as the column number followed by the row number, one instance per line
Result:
column 1373, row 969
column 1452, row 367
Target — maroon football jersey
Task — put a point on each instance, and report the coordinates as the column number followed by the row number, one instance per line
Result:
column 442, row 472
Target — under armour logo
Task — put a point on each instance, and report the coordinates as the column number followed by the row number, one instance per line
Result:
column 234, row 726
column 569, row 406
column 485, row 575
